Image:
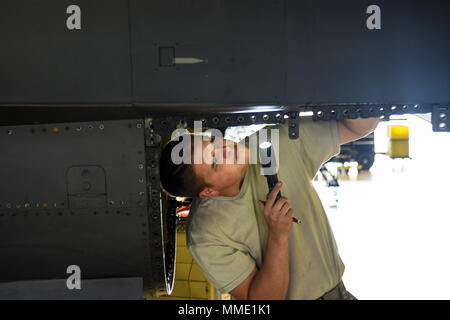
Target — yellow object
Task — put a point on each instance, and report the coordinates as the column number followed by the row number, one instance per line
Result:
column 190, row 283
column 398, row 149
column 397, row 132
column 398, row 141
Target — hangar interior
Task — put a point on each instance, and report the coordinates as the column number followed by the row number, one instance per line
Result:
column 89, row 93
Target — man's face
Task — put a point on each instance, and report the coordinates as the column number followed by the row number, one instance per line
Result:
column 223, row 163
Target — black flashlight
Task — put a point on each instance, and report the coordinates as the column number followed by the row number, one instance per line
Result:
column 268, row 163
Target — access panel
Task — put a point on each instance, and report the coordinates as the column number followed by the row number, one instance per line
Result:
column 74, row 194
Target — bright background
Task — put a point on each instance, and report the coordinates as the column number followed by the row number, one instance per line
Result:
column 392, row 224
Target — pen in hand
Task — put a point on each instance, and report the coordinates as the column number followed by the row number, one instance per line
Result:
column 294, row 219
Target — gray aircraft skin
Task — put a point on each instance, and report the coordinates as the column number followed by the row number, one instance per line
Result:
column 89, row 90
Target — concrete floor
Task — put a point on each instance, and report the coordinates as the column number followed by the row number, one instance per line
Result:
column 392, row 224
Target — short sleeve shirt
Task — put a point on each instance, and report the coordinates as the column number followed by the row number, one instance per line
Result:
column 227, row 236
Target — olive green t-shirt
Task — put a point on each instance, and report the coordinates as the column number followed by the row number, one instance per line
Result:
column 227, row 235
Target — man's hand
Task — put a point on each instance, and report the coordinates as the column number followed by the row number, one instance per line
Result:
column 278, row 214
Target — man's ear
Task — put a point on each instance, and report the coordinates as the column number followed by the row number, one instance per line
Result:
column 208, row 193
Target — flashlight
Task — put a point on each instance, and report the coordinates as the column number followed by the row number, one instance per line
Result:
column 268, row 163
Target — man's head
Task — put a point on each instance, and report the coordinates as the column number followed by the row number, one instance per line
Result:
column 210, row 166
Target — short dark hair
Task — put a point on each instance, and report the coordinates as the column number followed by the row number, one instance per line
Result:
column 179, row 180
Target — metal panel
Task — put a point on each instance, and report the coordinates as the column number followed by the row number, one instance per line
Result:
column 42, row 61
column 226, row 52
column 334, row 58
column 42, row 231
column 97, row 289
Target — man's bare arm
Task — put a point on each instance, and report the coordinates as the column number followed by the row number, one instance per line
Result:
column 272, row 280
column 354, row 129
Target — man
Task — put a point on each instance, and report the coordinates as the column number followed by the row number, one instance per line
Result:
column 250, row 249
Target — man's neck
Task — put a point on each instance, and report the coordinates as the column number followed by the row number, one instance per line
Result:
column 234, row 190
